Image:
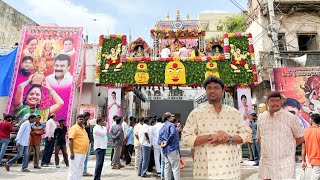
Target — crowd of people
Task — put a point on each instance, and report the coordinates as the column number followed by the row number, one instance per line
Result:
column 147, row 136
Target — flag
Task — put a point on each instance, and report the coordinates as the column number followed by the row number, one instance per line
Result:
column 82, row 75
column 7, row 62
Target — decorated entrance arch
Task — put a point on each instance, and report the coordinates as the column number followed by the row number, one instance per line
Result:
column 233, row 64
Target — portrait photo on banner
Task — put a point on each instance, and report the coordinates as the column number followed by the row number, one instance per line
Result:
column 114, row 105
column 45, row 72
column 301, row 86
column 244, row 103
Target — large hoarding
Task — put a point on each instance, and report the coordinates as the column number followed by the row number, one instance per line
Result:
column 45, row 72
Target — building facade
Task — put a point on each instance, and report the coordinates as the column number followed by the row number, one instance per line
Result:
column 297, row 27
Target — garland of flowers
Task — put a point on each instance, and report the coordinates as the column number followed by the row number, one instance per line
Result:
column 175, row 33
column 106, row 42
column 213, row 42
column 141, row 42
column 195, row 67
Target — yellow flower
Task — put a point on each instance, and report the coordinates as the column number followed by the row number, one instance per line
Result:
column 230, row 35
column 142, row 66
column 214, row 58
column 211, row 65
column 119, row 36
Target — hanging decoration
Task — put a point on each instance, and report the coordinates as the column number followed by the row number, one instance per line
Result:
column 228, row 57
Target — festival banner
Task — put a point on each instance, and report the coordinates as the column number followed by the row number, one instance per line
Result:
column 244, row 103
column 301, row 86
column 45, row 72
column 114, row 105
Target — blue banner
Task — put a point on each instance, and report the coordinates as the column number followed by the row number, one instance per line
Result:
column 7, row 62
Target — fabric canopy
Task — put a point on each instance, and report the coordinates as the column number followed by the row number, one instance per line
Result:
column 7, row 62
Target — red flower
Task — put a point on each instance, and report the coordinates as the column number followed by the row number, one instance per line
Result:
column 225, row 35
column 226, row 49
column 249, row 35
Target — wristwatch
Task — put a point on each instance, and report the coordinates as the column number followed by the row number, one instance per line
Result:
column 230, row 141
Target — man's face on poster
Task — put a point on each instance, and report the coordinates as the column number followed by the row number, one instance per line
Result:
column 32, row 45
column 114, row 96
column 61, row 67
column 293, row 110
column 67, row 46
column 27, row 64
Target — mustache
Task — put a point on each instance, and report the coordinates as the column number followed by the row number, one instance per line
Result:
column 58, row 70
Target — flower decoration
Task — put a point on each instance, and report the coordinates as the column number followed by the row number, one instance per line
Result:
column 175, row 33
column 211, row 65
column 139, row 42
column 142, row 66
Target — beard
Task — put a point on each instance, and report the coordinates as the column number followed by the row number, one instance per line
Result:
column 25, row 72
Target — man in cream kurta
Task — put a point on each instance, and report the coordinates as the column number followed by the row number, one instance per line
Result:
column 214, row 159
column 279, row 132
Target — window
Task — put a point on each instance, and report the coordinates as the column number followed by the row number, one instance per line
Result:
column 282, row 42
column 307, row 42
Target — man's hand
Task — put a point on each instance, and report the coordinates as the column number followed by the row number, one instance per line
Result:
column 304, row 165
column 220, row 138
column 17, row 145
column 72, row 156
column 163, row 144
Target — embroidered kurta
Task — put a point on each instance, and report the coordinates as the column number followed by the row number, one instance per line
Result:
column 215, row 162
column 278, row 144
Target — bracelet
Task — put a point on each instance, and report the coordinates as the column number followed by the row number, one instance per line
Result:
column 209, row 138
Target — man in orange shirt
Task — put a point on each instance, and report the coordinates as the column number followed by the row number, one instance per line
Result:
column 311, row 147
column 78, row 144
column 37, row 129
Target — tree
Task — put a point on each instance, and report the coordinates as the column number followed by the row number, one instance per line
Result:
column 234, row 24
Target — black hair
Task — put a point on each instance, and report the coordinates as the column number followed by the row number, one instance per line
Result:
column 32, row 107
column 196, row 50
column 183, row 45
column 99, row 120
column 274, row 94
column 51, row 116
column 68, row 39
column 159, row 119
column 27, row 58
column 146, row 120
column 132, row 123
column 243, row 96
column 80, row 116
column 28, row 92
column 316, row 118
column 166, row 116
column 63, row 57
column 254, row 114
column 118, row 120
column 114, row 117
column 292, row 102
column 62, row 120
column 30, row 39
column 113, row 93
column 167, row 46
column 213, row 79
column 38, row 115
column 141, row 119
column 86, row 114
column 8, row 116
column 31, row 116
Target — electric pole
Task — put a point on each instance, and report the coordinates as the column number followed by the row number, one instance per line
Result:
column 274, row 33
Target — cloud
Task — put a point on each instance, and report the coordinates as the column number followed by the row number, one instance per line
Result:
column 129, row 7
column 66, row 13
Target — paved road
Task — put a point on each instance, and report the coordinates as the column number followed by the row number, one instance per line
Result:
column 248, row 171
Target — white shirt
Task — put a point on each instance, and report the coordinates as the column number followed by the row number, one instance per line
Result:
column 66, row 81
column 50, row 128
column 70, row 53
column 183, row 52
column 100, row 137
column 125, row 128
column 142, row 137
column 165, row 53
column 154, row 133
